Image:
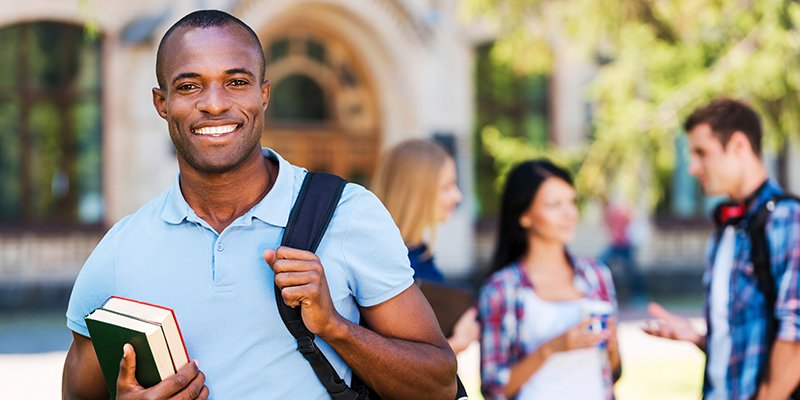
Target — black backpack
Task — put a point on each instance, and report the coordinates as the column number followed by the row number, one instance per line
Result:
column 308, row 221
column 760, row 257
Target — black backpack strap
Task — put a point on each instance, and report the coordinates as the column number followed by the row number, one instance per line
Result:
column 308, row 221
column 310, row 216
column 762, row 267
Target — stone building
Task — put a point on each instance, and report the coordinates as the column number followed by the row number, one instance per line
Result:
column 83, row 146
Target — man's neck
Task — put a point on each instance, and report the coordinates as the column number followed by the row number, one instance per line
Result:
column 753, row 178
column 219, row 199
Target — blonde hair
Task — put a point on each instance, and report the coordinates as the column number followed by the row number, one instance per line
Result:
column 407, row 182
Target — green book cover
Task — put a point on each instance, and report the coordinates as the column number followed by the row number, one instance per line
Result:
column 109, row 331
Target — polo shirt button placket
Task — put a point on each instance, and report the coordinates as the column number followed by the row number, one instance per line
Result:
column 220, row 247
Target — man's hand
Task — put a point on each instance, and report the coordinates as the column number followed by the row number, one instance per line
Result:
column 403, row 343
column 671, row 326
column 188, row 383
column 299, row 275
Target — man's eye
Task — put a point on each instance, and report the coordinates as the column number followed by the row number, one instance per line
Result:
column 187, row 86
column 238, row 82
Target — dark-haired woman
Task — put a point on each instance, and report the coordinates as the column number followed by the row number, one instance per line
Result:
column 536, row 340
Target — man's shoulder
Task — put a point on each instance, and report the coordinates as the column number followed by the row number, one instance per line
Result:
column 354, row 193
column 356, row 200
column 784, row 209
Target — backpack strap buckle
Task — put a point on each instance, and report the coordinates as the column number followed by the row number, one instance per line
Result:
column 306, row 346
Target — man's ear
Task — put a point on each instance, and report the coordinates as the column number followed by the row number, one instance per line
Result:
column 739, row 143
column 160, row 102
column 265, row 92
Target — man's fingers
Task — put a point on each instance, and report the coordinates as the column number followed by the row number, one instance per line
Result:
column 127, row 369
column 288, row 253
column 286, row 265
column 181, row 381
column 203, row 393
column 656, row 311
column 269, row 256
column 289, row 279
column 659, row 328
column 302, row 295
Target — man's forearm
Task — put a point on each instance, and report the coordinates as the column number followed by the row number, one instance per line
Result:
column 784, row 371
column 395, row 368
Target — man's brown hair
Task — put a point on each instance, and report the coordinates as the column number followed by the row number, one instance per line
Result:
column 726, row 116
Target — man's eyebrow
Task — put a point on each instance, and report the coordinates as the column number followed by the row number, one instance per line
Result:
column 185, row 75
column 234, row 71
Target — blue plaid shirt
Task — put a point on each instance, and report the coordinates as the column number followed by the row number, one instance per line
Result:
column 747, row 316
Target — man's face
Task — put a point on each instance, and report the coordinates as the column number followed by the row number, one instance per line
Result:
column 717, row 168
column 214, row 100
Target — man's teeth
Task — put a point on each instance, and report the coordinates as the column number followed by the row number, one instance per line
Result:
column 215, row 130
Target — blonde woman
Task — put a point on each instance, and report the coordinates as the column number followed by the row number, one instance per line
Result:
column 416, row 180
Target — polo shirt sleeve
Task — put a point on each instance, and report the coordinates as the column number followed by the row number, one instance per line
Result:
column 373, row 250
column 784, row 237
column 95, row 283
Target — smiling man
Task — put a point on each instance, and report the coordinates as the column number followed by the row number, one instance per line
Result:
column 753, row 340
column 208, row 248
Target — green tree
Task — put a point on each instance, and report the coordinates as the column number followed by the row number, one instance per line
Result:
column 656, row 61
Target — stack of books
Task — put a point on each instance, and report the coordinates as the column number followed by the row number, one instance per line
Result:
column 153, row 332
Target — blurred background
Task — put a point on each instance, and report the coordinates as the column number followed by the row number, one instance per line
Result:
column 599, row 86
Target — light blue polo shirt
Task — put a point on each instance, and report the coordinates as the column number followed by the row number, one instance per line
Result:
column 222, row 289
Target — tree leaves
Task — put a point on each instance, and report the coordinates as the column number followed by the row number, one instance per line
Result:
column 657, row 60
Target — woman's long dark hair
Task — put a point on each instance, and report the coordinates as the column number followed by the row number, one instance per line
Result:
column 522, row 184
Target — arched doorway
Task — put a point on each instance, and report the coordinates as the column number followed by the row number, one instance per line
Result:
column 322, row 113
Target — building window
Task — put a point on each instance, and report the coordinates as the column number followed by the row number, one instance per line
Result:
column 518, row 105
column 50, row 127
column 298, row 98
column 322, row 111
column 278, row 50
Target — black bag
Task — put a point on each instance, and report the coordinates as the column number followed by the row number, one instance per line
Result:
column 307, row 223
column 760, row 257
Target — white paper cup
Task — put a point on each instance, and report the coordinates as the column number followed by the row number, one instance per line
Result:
column 598, row 312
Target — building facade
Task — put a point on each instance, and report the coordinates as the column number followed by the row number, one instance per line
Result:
column 84, row 147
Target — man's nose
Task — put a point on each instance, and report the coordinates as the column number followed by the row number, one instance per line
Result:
column 215, row 100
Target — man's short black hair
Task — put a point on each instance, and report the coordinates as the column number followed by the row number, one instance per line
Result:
column 726, row 116
column 205, row 19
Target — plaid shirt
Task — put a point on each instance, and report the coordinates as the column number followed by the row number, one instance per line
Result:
column 747, row 317
column 501, row 311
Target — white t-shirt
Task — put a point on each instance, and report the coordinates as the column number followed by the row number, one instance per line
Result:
column 575, row 374
column 719, row 342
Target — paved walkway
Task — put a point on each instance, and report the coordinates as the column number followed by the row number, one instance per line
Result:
column 654, row 368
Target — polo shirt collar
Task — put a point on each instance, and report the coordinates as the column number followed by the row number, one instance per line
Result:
column 176, row 209
column 276, row 206
column 273, row 209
